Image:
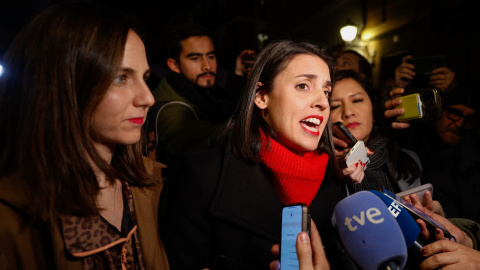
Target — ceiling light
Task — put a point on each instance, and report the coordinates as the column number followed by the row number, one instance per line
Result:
column 349, row 31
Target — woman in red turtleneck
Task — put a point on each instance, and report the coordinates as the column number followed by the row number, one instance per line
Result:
column 224, row 205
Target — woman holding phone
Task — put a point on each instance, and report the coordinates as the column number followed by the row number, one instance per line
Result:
column 75, row 191
column 353, row 104
column 224, row 205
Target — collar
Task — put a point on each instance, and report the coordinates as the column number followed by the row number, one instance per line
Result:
column 297, row 178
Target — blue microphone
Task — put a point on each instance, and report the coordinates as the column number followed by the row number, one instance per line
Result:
column 409, row 227
column 407, row 224
column 369, row 232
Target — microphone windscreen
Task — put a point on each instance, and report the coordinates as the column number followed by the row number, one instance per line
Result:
column 369, row 232
column 408, row 225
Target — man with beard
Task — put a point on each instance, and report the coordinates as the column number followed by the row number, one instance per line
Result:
column 193, row 106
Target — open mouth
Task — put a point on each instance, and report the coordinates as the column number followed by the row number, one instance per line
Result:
column 311, row 124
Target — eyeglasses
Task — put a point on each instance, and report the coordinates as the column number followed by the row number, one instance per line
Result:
column 456, row 114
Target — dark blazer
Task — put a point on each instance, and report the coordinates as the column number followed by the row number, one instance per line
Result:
column 223, row 213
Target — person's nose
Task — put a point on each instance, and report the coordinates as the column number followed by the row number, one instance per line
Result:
column 206, row 66
column 143, row 97
column 320, row 100
column 460, row 123
column 347, row 111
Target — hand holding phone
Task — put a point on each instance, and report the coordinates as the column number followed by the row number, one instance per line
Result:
column 308, row 252
column 357, row 153
column 340, row 131
column 343, row 139
column 412, row 106
column 419, row 191
column 431, row 224
column 249, row 59
column 423, row 66
column 295, row 219
column 423, row 105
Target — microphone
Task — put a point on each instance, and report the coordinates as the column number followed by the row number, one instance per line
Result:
column 370, row 233
column 409, row 227
column 407, row 224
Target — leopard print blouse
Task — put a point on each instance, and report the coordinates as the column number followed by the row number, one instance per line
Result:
column 99, row 244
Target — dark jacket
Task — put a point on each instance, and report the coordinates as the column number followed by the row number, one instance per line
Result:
column 40, row 246
column 470, row 227
column 455, row 176
column 180, row 130
column 224, row 213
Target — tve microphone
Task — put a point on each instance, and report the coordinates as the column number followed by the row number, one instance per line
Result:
column 369, row 232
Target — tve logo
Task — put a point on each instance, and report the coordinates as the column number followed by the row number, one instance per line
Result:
column 372, row 216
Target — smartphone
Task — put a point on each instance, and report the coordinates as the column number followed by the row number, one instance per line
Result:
column 425, row 65
column 357, row 153
column 341, row 131
column 432, row 224
column 420, row 191
column 423, row 69
column 295, row 219
column 412, row 104
column 249, row 60
column 423, row 105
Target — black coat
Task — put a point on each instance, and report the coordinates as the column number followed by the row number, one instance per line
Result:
column 455, row 176
column 223, row 213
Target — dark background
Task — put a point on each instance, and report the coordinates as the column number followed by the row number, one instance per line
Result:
column 234, row 24
column 421, row 28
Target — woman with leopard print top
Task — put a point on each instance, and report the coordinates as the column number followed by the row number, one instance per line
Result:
column 75, row 191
